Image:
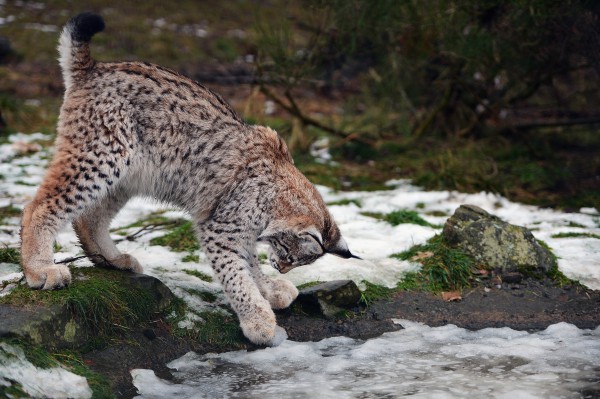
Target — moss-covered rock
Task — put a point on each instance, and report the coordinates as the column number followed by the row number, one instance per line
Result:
column 329, row 299
column 496, row 244
column 98, row 302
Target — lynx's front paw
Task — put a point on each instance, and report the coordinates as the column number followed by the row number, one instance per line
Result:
column 49, row 277
column 282, row 294
column 261, row 329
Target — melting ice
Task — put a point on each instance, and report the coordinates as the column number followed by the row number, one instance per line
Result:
column 420, row 361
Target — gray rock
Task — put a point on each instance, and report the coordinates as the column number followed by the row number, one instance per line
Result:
column 329, row 298
column 495, row 244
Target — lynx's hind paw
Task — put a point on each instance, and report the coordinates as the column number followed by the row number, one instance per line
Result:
column 49, row 278
column 126, row 262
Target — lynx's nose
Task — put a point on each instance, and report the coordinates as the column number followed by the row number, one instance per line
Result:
column 341, row 249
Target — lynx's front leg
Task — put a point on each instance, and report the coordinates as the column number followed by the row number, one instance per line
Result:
column 257, row 320
column 279, row 293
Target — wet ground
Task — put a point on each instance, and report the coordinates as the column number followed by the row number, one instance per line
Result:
column 530, row 305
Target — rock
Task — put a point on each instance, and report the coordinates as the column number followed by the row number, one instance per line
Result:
column 495, row 244
column 59, row 326
column 329, row 298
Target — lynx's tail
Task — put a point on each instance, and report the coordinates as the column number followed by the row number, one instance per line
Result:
column 73, row 46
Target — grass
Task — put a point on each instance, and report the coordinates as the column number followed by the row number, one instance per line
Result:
column 200, row 275
column 343, row 202
column 400, row 216
column 443, row 268
column 180, row 239
column 9, row 255
column 206, row 296
column 574, row 234
column 191, row 258
column 67, row 359
column 554, row 273
column 9, row 212
column 96, row 296
column 374, row 292
column 220, row 330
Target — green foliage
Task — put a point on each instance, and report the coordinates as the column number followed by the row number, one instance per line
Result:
column 400, row 216
column 374, row 292
column 346, row 201
column 200, row 275
column 204, row 295
column 180, row 239
column 9, row 255
column 575, row 234
column 67, row 359
column 554, row 273
column 220, row 330
column 443, row 268
column 8, row 212
column 191, row 258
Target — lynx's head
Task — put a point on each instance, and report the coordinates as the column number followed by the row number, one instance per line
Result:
column 298, row 242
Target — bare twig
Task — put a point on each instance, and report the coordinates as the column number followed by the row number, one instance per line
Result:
column 294, row 110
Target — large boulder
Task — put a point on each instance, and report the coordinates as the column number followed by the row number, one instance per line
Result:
column 495, row 244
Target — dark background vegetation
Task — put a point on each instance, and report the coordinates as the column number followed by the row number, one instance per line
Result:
column 470, row 95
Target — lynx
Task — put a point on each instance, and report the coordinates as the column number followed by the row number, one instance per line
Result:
column 136, row 129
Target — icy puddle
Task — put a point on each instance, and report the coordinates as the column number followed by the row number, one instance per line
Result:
column 444, row 362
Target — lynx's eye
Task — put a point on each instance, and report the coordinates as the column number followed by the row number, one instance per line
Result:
column 312, row 243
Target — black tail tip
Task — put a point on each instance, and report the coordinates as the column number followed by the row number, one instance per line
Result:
column 86, row 25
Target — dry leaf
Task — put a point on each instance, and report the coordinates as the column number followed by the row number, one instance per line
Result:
column 451, row 296
column 422, row 255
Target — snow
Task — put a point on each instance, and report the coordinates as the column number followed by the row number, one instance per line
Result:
column 496, row 362
column 54, row 382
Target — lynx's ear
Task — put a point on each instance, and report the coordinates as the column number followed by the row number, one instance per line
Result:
column 341, row 249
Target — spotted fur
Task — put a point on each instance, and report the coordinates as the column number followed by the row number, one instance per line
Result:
column 136, row 129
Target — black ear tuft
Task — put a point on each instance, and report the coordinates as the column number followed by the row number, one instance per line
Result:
column 85, row 25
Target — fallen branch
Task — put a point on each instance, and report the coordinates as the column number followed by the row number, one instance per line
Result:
column 293, row 109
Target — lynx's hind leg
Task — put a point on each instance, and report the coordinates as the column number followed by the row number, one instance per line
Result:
column 72, row 185
column 92, row 229
column 279, row 293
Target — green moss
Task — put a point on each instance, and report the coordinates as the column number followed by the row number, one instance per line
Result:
column 308, row 284
column 443, row 268
column 573, row 234
column 9, row 255
column 180, row 239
